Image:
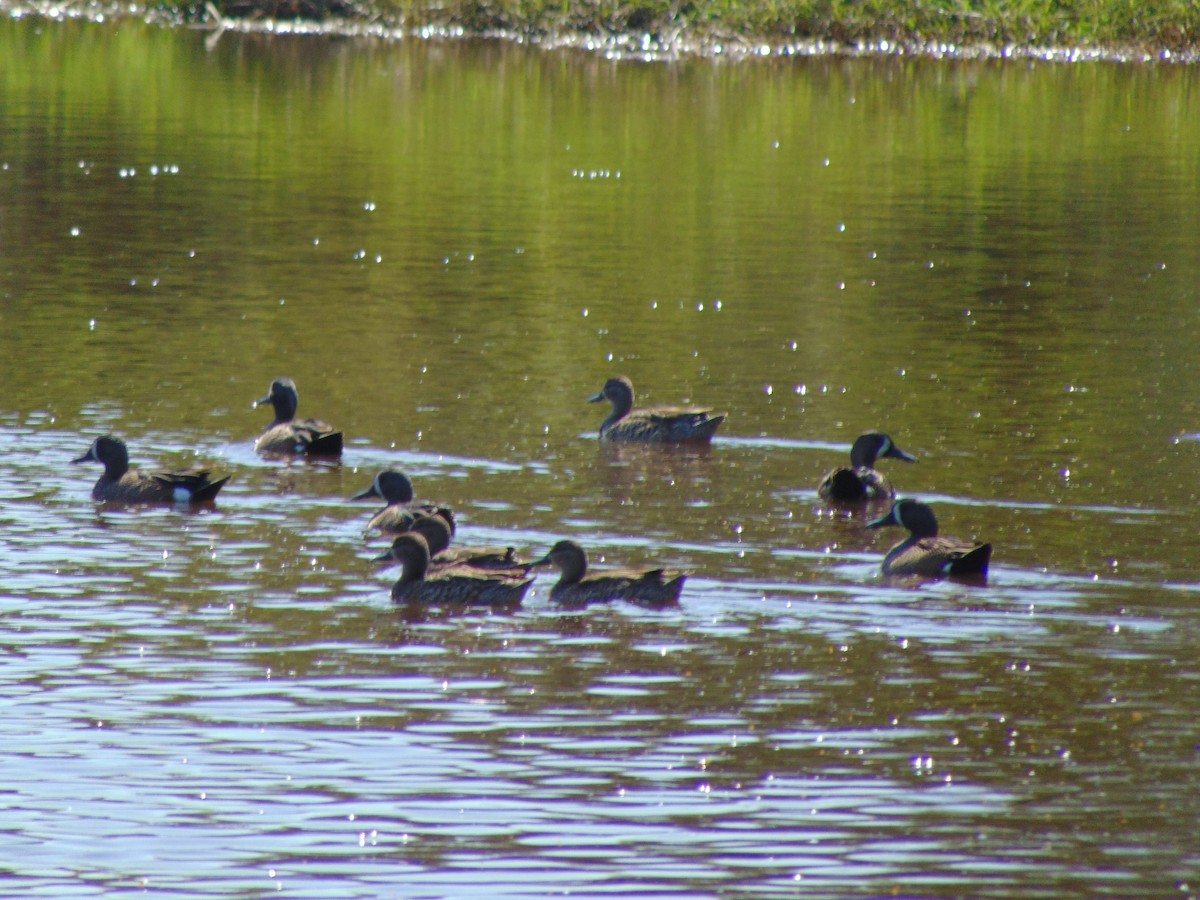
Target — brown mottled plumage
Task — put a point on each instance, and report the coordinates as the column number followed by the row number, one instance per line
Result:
column 663, row 424
column 860, row 481
column 575, row 585
column 287, row 435
column 120, row 485
column 924, row 551
column 454, row 585
column 393, row 487
column 438, row 530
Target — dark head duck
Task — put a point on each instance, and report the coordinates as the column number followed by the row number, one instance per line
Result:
column 925, row 552
column 120, row 485
column 455, row 585
column 438, row 530
column 396, row 490
column 664, row 424
column 287, row 435
column 575, row 585
column 860, row 481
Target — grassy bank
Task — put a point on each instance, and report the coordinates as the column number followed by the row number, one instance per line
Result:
column 1148, row 27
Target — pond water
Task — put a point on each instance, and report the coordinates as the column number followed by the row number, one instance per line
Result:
column 450, row 246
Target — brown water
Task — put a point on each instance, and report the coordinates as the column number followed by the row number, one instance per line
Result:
column 450, row 246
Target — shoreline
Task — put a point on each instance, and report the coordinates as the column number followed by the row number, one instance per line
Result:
column 655, row 43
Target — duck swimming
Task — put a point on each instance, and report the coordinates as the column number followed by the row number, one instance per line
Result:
column 663, row 424
column 575, row 585
column 454, row 585
column 438, row 529
column 287, row 435
column 860, row 481
column 119, row 484
column 394, row 488
column 924, row 551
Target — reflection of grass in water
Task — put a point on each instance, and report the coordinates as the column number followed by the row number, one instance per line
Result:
column 1168, row 24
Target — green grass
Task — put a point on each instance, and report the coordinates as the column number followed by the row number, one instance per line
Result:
column 1160, row 24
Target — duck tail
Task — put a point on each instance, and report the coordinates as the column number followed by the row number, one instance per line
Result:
column 973, row 562
column 325, row 445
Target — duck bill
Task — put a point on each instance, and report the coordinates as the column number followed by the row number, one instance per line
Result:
column 881, row 521
column 897, row 453
column 87, row 457
column 544, row 561
column 261, row 401
column 596, row 398
column 364, row 494
column 383, row 557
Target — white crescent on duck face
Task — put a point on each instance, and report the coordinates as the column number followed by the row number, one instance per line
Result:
column 860, row 481
column 925, row 552
column 120, row 485
column 287, row 435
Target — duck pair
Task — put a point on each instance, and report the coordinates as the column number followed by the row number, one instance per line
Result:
column 924, row 552
column 500, row 579
column 285, row 435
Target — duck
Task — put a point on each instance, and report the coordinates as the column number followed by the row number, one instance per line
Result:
column 289, row 436
column 438, row 529
column 860, row 481
column 454, row 585
column 575, row 585
column 396, row 490
column 664, row 424
column 118, row 484
column 925, row 552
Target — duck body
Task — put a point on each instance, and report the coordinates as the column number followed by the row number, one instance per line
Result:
column 860, row 481
column 394, row 488
column 438, row 529
column 576, row 586
column 455, row 585
column 289, row 436
column 925, row 552
column 663, row 424
column 119, row 484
